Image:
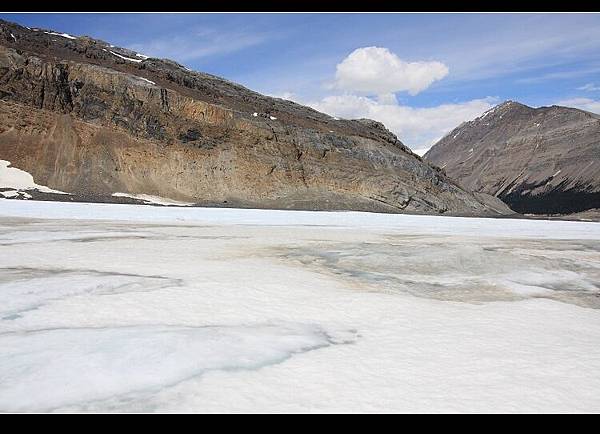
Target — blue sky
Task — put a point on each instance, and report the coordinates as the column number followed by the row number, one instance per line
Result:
column 420, row 74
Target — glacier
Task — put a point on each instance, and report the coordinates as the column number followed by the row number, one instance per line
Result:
column 132, row 308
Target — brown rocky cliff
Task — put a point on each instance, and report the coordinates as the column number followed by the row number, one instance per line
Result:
column 81, row 117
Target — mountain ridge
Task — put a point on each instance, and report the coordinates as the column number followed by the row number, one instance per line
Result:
column 91, row 119
column 541, row 160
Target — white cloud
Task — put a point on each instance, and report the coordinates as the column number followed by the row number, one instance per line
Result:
column 418, row 128
column 561, row 75
column 522, row 43
column 198, row 44
column 590, row 87
column 421, row 151
column 586, row 104
column 375, row 70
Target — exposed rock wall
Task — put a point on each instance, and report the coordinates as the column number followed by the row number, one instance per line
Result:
column 83, row 120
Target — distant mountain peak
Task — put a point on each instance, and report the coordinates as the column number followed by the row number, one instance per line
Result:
column 538, row 160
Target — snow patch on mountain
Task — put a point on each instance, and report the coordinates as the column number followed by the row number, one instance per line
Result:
column 64, row 35
column 17, row 179
column 154, row 200
column 130, row 59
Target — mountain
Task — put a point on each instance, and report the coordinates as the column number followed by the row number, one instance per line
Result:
column 537, row 160
column 84, row 117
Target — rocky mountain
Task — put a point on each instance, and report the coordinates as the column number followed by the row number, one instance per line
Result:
column 90, row 119
column 538, row 160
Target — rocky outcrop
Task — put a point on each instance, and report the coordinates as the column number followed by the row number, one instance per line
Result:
column 538, row 160
column 91, row 119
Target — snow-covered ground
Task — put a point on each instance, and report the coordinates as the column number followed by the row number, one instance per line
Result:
column 134, row 308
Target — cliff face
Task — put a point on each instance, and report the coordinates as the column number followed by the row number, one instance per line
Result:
column 544, row 160
column 91, row 119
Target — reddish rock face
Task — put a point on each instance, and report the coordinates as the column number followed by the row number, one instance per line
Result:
column 542, row 161
column 91, row 119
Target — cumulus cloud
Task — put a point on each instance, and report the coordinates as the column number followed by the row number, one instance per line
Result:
column 375, row 70
column 418, row 128
column 586, row 104
column 371, row 76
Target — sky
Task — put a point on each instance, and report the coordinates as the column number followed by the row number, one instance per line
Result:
column 420, row 74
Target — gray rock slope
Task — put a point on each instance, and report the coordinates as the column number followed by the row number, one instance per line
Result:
column 537, row 160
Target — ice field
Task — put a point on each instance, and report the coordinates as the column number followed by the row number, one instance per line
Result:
column 141, row 308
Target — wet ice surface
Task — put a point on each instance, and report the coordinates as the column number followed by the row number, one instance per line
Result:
column 463, row 269
column 244, row 310
column 133, row 362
